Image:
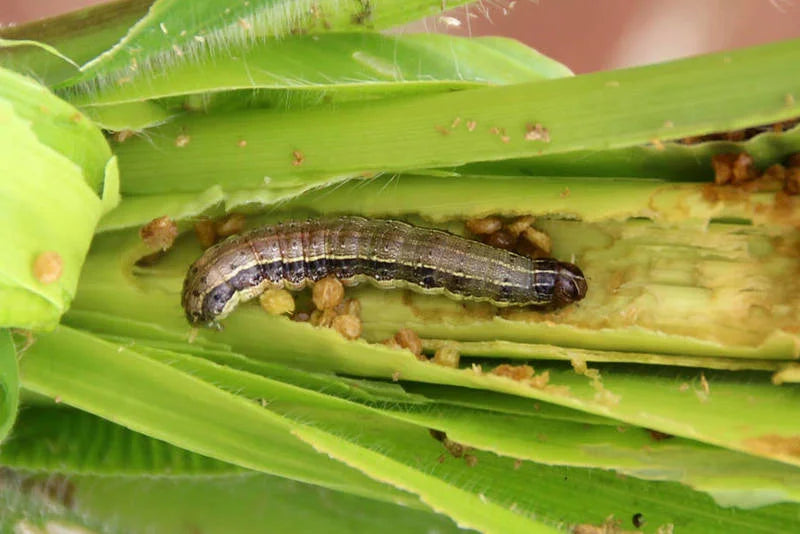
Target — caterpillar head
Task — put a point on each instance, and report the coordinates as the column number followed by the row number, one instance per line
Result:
column 570, row 284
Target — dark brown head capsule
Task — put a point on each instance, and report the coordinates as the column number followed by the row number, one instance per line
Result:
column 570, row 284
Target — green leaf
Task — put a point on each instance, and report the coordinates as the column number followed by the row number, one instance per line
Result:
column 7, row 43
column 54, row 164
column 67, row 441
column 244, row 504
column 384, row 448
column 152, row 398
column 173, row 32
column 353, row 65
column 9, row 383
column 597, row 111
column 79, row 35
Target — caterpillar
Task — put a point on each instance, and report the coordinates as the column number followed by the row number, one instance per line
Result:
column 385, row 252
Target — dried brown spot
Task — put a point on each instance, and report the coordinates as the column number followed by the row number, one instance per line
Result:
column 159, row 234
column 455, row 122
column 123, row 135
column 447, row 357
column 774, row 173
column 471, row 125
column 327, row 293
column 48, row 266
column 514, row 372
column 484, row 226
column 659, row 436
column 536, row 132
column 704, row 384
column 408, row 339
column 182, row 140
column 396, row 376
column 470, row 460
column 205, row 232
column 657, row 143
column 277, row 301
column 579, row 365
column 540, row 381
column 349, row 326
column 297, row 158
column 733, row 169
column 744, row 134
column 441, row 129
column 27, row 336
column 791, row 184
column 775, row 445
column 438, row 435
column 564, row 193
column 457, row 450
column 608, row 526
column 517, row 464
column 241, row 143
column 504, row 138
column 229, row 225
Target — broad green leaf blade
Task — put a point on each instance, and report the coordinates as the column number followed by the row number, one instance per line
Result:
column 56, row 124
column 732, row 479
column 9, row 383
column 390, row 448
column 383, row 447
column 56, row 166
column 146, row 396
column 539, row 432
column 67, row 441
column 249, row 504
column 79, row 35
column 615, row 109
column 468, row 510
column 174, row 32
column 359, row 64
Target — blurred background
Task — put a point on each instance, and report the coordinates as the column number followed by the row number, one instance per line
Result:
column 586, row 35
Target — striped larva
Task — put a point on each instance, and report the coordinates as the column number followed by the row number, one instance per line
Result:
column 387, row 253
